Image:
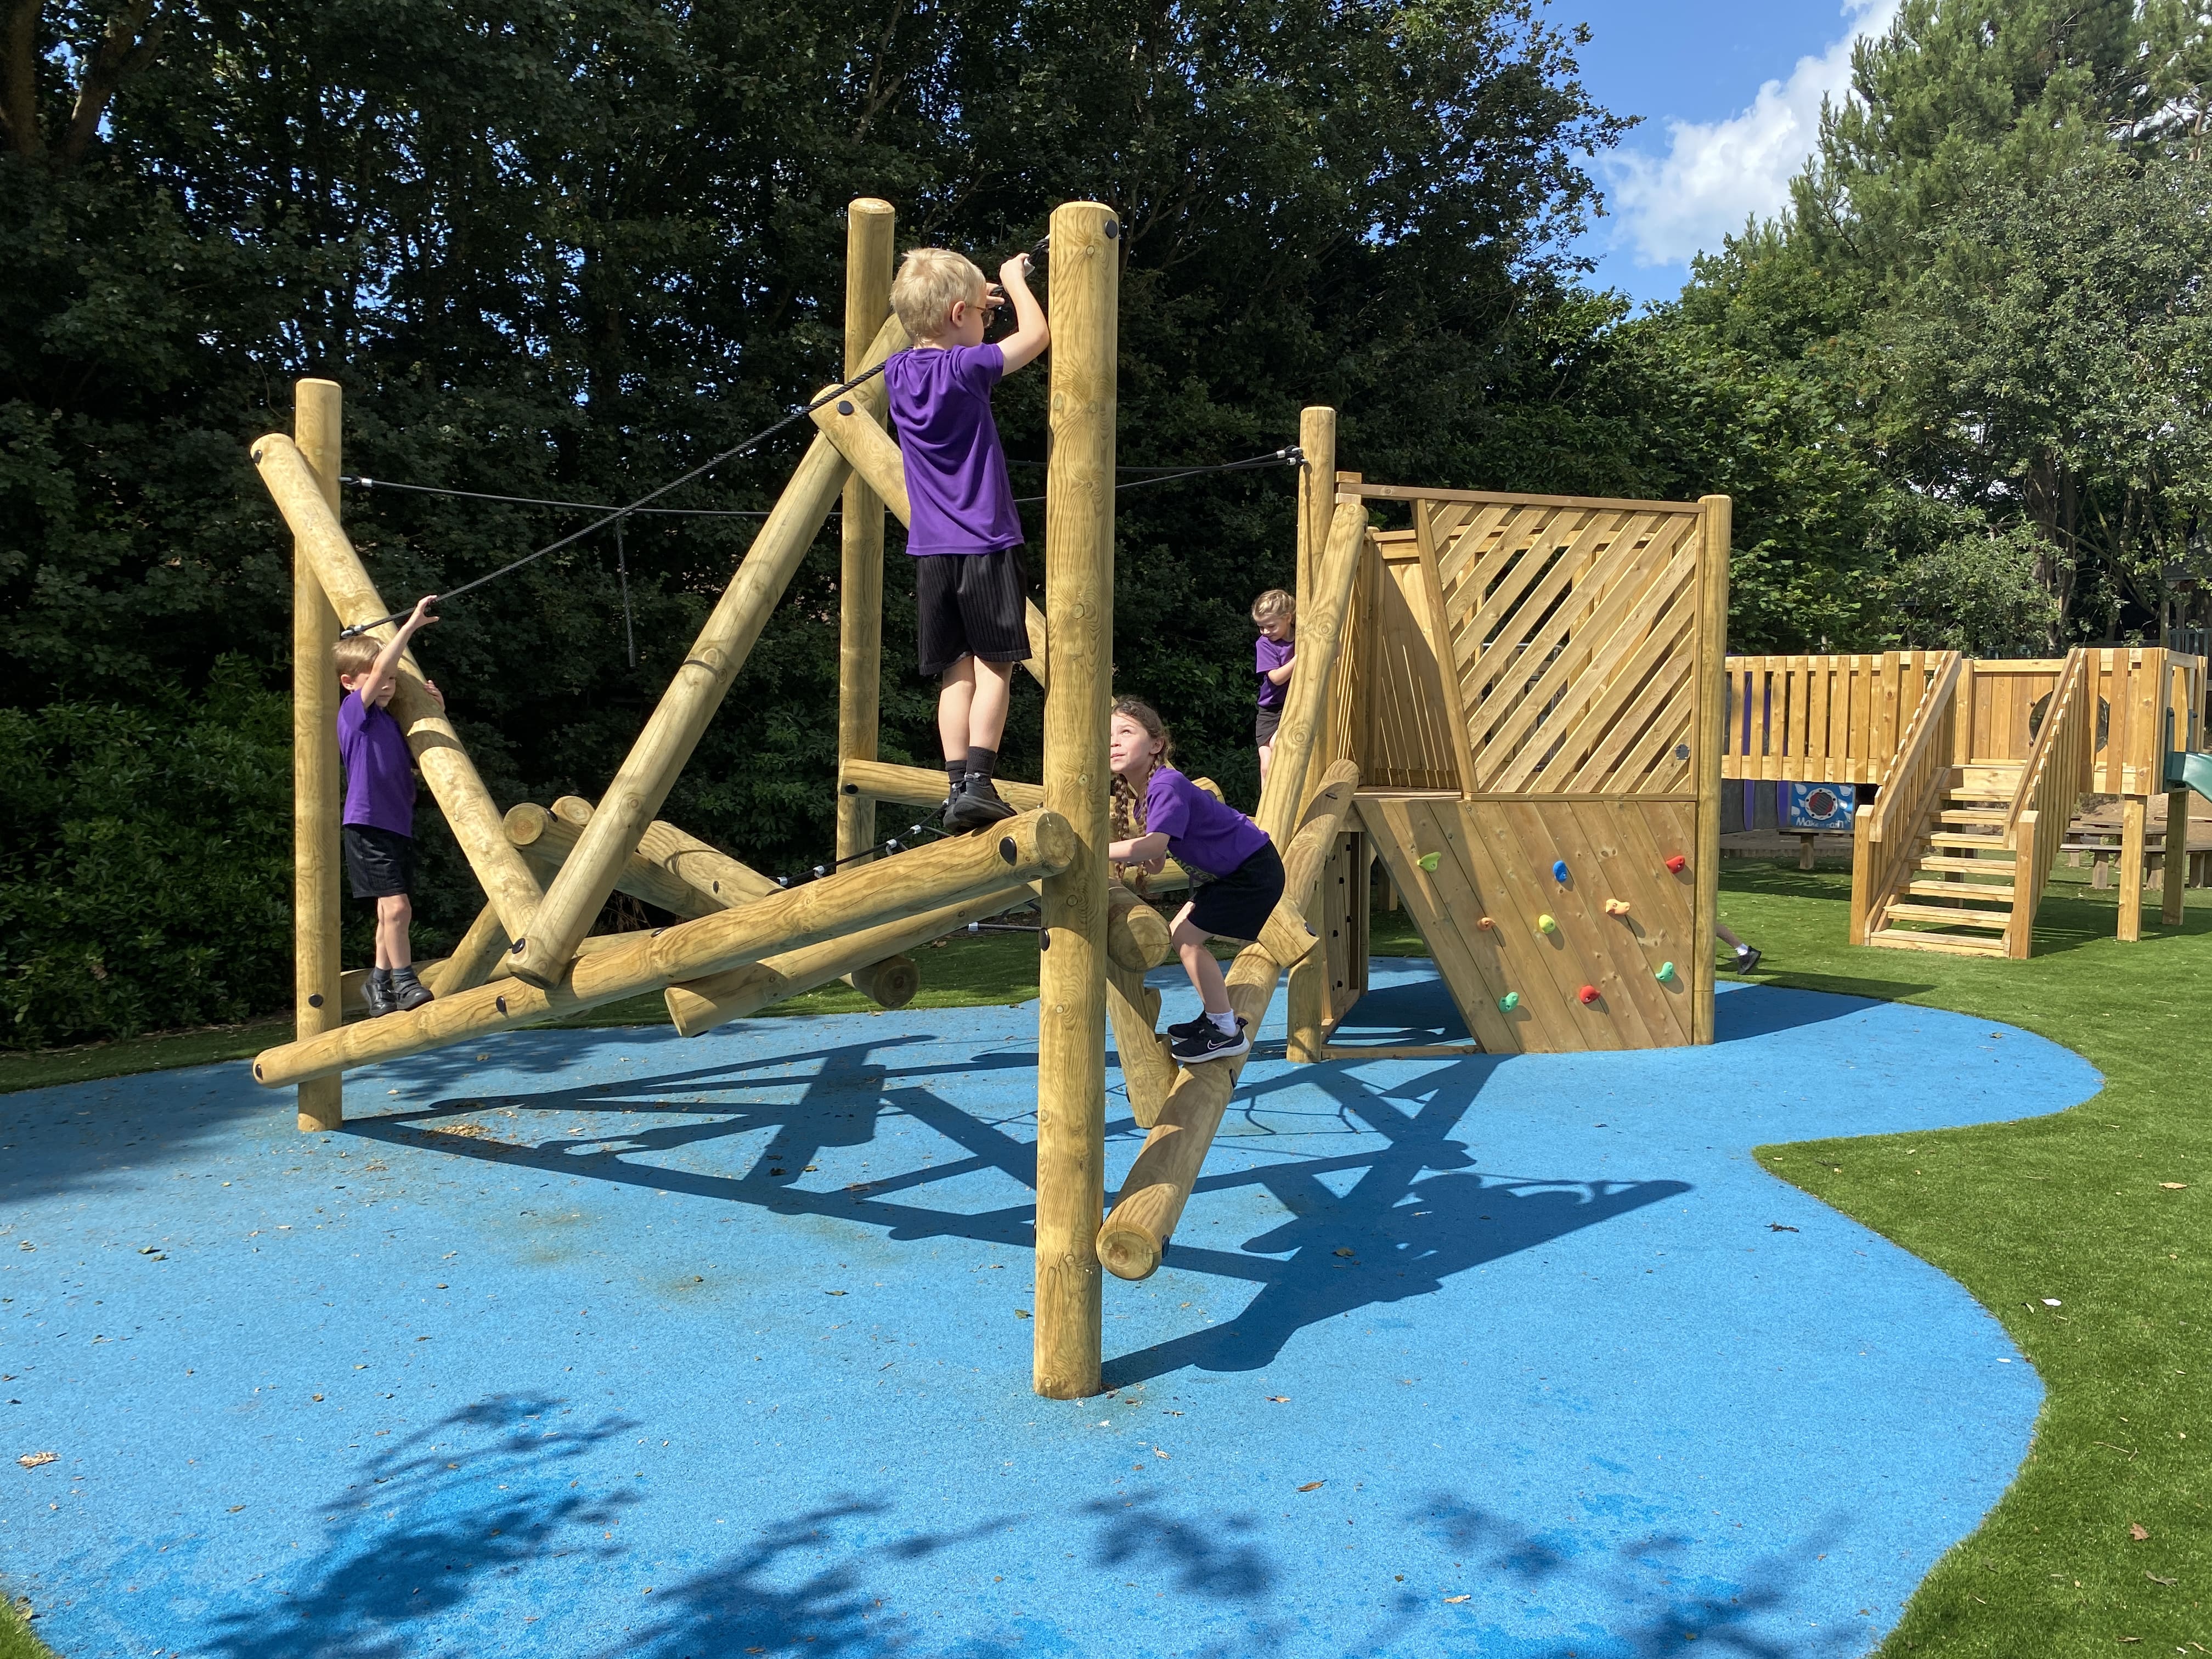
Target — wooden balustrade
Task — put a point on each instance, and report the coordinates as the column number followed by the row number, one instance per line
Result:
column 1887, row 832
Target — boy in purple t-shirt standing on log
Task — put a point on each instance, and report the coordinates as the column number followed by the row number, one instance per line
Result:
column 377, row 824
column 971, row 589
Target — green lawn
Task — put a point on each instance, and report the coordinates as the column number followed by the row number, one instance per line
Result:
column 2099, row 1207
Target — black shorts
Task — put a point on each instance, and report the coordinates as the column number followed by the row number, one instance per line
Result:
column 1263, row 729
column 1238, row 905
column 380, row 863
column 970, row 605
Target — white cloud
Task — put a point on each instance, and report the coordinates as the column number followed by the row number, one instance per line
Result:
column 1718, row 172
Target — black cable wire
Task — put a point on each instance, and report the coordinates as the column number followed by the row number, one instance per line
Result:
column 888, row 845
column 761, row 436
column 583, row 506
column 1290, row 456
column 622, row 570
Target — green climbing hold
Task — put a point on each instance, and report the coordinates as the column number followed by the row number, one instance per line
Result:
column 1666, row 972
column 1508, row 1002
column 1429, row 860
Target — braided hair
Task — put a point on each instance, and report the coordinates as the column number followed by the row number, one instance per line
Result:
column 1128, row 800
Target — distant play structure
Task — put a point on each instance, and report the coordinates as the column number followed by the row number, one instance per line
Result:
column 1980, row 767
column 1515, row 702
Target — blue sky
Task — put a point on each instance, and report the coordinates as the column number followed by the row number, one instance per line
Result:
column 1729, row 91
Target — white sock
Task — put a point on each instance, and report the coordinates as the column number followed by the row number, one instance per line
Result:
column 1225, row 1023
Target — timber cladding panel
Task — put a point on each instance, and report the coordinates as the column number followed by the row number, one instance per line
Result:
column 1571, row 634
column 1493, row 861
column 1542, row 679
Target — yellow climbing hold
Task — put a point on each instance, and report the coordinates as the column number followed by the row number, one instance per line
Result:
column 1546, row 925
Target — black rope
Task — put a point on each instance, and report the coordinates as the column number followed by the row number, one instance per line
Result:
column 1291, row 456
column 581, row 506
column 760, row 437
column 622, row 570
column 888, row 845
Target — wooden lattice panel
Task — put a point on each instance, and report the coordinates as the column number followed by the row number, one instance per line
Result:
column 1572, row 640
column 1411, row 743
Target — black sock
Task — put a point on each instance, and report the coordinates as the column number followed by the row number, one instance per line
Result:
column 956, row 769
column 982, row 763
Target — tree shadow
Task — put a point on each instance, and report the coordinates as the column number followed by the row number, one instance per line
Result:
column 467, row 1496
column 1418, row 1214
column 1638, row 1575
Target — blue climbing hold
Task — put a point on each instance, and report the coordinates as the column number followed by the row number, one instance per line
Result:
column 1559, row 870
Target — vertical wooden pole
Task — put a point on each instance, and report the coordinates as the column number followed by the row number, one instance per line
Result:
column 1078, row 557
column 868, row 235
column 317, row 797
column 2134, row 809
column 1717, row 519
column 1306, row 995
column 2175, row 875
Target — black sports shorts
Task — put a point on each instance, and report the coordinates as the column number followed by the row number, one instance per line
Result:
column 1238, row 905
column 970, row 605
column 380, row 863
column 1263, row 728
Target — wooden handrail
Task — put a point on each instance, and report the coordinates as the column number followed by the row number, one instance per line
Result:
column 2052, row 784
column 1921, row 772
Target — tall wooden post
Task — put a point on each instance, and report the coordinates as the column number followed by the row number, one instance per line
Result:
column 317, row 799
column 1078, row 559
column 1716, row 521
column 868, row 231
column 2175, row 876
column 2133, row 810
column 1306, row 997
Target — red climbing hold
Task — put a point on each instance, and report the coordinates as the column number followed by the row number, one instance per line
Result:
column 1588, row 994
column 1677, row 864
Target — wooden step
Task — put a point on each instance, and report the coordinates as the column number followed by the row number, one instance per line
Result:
column 1954, row 838
column 1990, row 890
column 1894, row 940
column 1973, row 866
column 1992, row 816
column 1944, row 915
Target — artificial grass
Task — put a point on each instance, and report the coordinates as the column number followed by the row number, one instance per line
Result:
column 16, row 1641
column 2102, row 1210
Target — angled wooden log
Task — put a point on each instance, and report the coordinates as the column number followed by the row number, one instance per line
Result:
column 1144, row 1217
column 1022, row 848
column 447, row 767
column 548, row 840
column 710, row 880
column 633, row 798
column 699, row 1006
column 1148, row 1071
column 875, row 458
column 481, row 950
column 318, row 798
column 1321, row 639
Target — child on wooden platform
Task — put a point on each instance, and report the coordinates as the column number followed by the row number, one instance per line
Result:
column 1236, row 877
column 377, row 824
column 1275, row 613
column 971, row 589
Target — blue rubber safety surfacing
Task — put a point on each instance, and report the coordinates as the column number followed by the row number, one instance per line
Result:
column 612, row 1343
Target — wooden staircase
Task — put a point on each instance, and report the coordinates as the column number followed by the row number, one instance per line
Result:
column 1958, row 896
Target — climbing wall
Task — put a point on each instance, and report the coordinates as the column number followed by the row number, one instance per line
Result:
column 1541, row 758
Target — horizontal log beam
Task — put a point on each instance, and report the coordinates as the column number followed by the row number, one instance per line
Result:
column 1023, row 848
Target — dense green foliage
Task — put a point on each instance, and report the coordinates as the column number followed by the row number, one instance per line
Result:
column 1958, row 390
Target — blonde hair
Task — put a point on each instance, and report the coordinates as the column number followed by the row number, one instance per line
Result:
column 1127, row 807
column 356, row 655
column 929, row 280
column 1275, row 604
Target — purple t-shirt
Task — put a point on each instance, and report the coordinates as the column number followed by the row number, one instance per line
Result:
column 1273, row 654
column 956, row 472
column 379, row 772
column 1201, row 832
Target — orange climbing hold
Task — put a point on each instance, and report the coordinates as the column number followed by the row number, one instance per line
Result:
column 1486, row 923
column 1616, row 906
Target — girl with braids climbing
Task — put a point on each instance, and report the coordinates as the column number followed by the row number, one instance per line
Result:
column 1235, row 876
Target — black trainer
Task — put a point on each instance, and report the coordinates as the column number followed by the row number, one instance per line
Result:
column 1212, row 1043
column 1747, row 959
column 1189, row 1028
column 377, row 989
column 977, row 805
column 408, row 993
